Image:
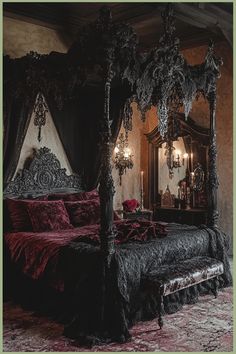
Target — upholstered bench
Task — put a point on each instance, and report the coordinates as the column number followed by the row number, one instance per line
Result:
column 168, row 279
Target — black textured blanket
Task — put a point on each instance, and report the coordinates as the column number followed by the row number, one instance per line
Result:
column 101, row 310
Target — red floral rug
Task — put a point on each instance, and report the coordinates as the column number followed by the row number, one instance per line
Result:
column 202, row 327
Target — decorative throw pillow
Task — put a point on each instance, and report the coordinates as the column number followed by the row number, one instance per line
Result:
column 89, row 195
column 20, row 219
column 84, row 212
column 65, row 196
column 72, row 197
column 48, row 215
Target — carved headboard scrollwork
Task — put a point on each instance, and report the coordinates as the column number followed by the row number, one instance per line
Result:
column 42, row 175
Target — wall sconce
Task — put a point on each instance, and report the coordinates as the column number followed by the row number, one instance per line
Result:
column 123, row 156
column 172, row 159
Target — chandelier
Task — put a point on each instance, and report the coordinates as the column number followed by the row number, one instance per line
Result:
column 123, row 156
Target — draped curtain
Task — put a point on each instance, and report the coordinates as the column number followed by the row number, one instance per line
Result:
column 16, row 118
column 78, row 124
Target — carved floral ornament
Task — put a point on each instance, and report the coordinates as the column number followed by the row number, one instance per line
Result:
column 161, row 77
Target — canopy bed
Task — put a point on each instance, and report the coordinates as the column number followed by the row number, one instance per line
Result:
column 101, row 265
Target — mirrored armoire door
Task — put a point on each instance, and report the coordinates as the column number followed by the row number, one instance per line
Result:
column 178, row 166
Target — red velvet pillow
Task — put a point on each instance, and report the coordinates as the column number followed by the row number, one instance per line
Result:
column 72, row 197
column 84, row 212
column 18, row 214
column 48, row 215
column 89, row 195
column 20, row 219
column 65, row 196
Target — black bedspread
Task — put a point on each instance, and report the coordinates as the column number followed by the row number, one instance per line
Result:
column 103, row 311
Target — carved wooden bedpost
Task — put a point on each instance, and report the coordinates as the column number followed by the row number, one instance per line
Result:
column 213, row 215
column 212, row 67
column 106, row 190
column 106, row 187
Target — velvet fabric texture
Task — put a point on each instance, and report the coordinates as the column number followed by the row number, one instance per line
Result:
column 65, row 196
column 173, row 277
column 19, row 216
column 72, row 197
column 15, row 215
column 84, row 212
column 34, row 252
column 89, row 195
column 48, row 215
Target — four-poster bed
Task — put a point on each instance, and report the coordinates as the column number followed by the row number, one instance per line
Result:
column 104, row 302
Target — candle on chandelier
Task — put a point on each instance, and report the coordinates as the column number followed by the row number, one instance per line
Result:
column 141, row 179
column 191, row 161
column 127, row 153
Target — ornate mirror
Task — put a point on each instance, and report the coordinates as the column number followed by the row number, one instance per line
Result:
column 179, row 159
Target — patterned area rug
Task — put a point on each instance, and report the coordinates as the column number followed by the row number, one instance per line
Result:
column 202, row 327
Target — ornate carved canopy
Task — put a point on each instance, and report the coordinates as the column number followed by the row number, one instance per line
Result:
column 161, row 77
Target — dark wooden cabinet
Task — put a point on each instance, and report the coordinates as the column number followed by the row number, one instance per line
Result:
column 181, row 216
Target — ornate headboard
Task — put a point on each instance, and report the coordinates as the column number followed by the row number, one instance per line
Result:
column 42, row 174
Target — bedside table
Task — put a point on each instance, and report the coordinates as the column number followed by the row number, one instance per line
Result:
column 145, row 213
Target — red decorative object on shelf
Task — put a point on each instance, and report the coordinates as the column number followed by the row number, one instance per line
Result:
column 130, row 205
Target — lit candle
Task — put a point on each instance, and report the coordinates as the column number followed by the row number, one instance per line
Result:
column 178, row 153
column 142, row 180
column 191, row 161
column 192, row 178
column 185, row 156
